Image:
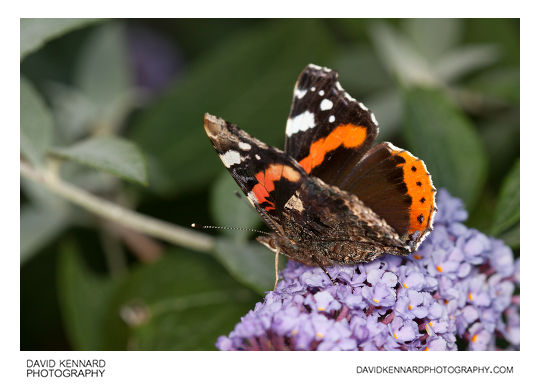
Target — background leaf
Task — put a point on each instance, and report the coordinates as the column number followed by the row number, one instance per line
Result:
column 185, row 301
column 103, row 75
column 500, row 133
column 458, row 62
column 507, row 209
column 501, row 84
column 512, row 236
column 36, row 124
column 110, row 154
column 39, row 226
column 400, row 57
column 84, row 299
column 36, row 32
column 356, row 59
column 74, row 113
column 251, row 263
column 230, row 209
column 437, row 132
column 434, row 37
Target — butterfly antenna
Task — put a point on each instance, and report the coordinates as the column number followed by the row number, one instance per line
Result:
column 227, row 228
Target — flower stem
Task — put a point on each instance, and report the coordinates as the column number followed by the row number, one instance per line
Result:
column 125, row 217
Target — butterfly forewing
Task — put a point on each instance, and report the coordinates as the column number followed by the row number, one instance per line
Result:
column 327, row 131
column 265, row 174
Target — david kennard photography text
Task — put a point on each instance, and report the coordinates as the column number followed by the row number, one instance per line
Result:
column 65, row 368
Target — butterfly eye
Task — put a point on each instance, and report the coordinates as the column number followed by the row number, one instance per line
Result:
column 268, row 241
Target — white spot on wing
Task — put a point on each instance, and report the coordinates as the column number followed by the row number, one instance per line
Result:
column 301, row 122
column 257, row 157
column 332, row 118
column 230, row 158
column 314, row 66
column 338, row 86
column 299, row 93
column 326, row 105
column 349, row 97
column 244, row 146
column 312, row 89
column 251, row 198
column 295, row 203
column 362, row 106
column 394, row 148
column 374, row 119
column 321, row 92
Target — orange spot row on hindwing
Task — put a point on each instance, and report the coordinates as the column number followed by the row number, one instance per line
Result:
column 348, row 135
column 420, row 189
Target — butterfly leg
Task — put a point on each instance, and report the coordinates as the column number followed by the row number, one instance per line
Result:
column 327, row 274
column 324, row 269
column 276, row 265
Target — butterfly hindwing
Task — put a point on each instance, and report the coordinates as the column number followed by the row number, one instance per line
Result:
column 327, row 131
column 397, row 186
column 266, row 175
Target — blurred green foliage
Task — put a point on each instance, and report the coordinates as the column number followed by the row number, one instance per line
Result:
column 96, row 97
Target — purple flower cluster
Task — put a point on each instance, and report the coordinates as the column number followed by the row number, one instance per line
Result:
column 459, row 286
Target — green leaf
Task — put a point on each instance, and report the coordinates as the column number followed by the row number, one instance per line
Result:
column 36, row 124
column 500, row 133
column 38, row 227
column 248, row 79
column 89, row 179
column 36, row 32
column 456, row 63
column 387, row 106
column 110, row 154
column 185, row 301
column 103, row 73
column 250, row 263
column 434, row 37
column 400, row 56
column 481, row 215
column 74, row 113
column 442, row 136
column 501, row 84
column 353, row 60
column 511, row 236
column 84, row 300
column 230, row 208
column 428, row 55
column 505, row 33
column 507, row 209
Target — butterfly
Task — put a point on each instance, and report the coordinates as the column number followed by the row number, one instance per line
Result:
column 331, row 196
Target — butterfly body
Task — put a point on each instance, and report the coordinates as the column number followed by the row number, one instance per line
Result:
column 331, row 197
column 314, row 235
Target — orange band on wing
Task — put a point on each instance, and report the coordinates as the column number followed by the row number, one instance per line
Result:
column 266, row 180
column 420, row 189
column 348, row 135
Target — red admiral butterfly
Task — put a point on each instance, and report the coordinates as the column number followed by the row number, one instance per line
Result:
column 330, row 197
